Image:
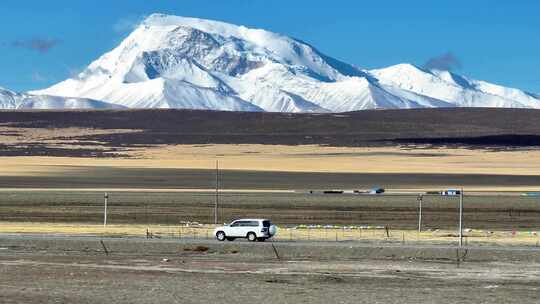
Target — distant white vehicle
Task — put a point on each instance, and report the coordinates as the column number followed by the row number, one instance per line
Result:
column 251, row 229
column 376, row 190
column 450, row 192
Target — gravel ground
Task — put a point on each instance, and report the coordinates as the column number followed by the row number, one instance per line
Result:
column 64, row 270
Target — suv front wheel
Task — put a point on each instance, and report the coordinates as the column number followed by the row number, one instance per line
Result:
column 220, row 236
column 251, row 237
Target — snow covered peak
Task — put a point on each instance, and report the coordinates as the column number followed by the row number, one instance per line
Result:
column 214, row 45
column 57, row 102
column 12, row 100
column 205, row 25
column 2, row 89
column 404, row 72
column 410, row 73
column 279, row 44
column 452, row 78
column 454, row 89
column 8, row 99
column 167, row 54
column 180, row 62
column 403, row 68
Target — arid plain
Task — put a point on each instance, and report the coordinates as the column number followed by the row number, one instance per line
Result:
column 401, row 160
column 268, row 162
column 159, row 170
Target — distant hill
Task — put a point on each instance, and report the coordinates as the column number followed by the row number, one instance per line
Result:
column 455, row 126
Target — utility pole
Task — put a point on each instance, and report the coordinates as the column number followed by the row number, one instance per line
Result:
column 105, row 210
column 217, row 194
column 420, row 198
column 461, row 217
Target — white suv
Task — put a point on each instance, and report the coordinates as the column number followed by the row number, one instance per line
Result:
column 252, row 229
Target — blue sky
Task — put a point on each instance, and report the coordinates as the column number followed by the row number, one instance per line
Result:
column 43, row 42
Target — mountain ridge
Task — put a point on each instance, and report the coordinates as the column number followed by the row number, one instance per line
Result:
column 21, row 101
column 180, row 62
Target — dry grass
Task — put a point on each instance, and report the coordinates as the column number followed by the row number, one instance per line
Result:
column 300, row 159
column 524, row 238
column 343, row 159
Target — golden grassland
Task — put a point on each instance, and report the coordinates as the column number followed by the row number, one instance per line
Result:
column 307, row 158
column 302, row 158
column 525, row 238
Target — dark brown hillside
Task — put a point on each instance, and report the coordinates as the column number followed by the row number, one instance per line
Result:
column 460, row 126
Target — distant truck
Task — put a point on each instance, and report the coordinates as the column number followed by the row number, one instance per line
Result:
column 376, row 190
column 450, row 192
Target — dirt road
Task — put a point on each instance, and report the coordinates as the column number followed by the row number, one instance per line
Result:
column 64, row 270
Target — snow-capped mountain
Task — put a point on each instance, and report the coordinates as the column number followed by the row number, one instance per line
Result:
column 453, row 88
column 8, row 99
column 12, row 100
column 177, row 62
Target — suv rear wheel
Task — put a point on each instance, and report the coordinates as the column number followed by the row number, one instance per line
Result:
column 220, row 236
column 251, row 237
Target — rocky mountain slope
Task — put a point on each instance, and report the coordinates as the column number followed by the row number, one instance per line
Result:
column 177, row 62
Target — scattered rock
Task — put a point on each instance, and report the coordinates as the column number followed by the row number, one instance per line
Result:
column 197, row 249
column 276, row 281
column 201, row 249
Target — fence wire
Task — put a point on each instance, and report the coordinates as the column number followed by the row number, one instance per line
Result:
column 300, row 215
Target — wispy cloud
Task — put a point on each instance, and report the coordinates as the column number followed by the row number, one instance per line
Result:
column 41, row 45
column 75, row 72
column 38, row 77
column 127, row 24
column 445, row 62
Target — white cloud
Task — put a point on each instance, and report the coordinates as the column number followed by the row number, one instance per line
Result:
column 127, row 24
column 38, row 77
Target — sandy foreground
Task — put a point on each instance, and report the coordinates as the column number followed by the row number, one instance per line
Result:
column 79, row 270
column 297, row 159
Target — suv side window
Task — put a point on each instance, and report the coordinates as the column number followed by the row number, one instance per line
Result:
column 245, row 224
column 249, row 224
